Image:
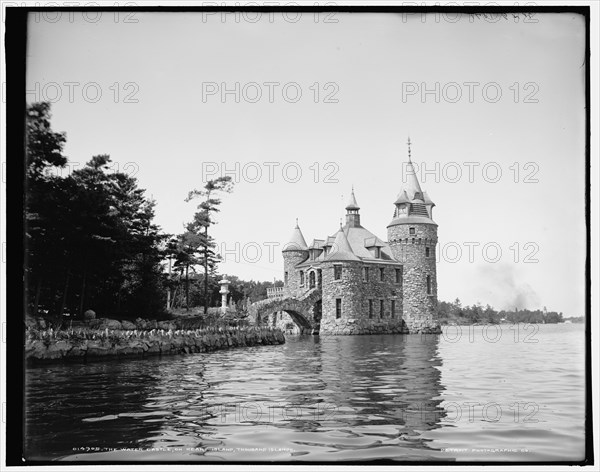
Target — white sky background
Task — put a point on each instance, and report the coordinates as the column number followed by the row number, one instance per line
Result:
column 170, row 131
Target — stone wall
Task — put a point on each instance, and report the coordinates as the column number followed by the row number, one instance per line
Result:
column 300, row 308
column 410, row 250
column 355, row 294
column 89, row 344
column 415, row 309
column 290, row 260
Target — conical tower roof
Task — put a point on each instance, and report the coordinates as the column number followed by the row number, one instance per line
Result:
column 296, row 241
column 415, row 204
column 410, row 182
column 352, row 205
column 341, row 250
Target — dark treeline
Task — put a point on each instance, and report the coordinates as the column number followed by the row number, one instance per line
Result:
column 90, row 239
column 455, row 313
column 91, row 242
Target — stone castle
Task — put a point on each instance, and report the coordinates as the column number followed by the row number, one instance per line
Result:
column 355, row 283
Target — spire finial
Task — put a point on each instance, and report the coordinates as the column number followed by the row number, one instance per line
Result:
column 340, row 224
column 408, row 142
column 297, row 223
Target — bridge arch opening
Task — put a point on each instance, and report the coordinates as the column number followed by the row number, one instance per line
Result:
column 299, row 319
column 304, row 310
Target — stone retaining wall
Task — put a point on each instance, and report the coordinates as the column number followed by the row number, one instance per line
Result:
column 88, row 344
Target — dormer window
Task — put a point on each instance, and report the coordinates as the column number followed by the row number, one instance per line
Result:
column 377, row 252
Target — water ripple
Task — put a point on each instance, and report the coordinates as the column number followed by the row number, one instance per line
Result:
column 355, row 398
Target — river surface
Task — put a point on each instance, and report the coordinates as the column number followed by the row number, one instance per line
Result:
column 500, row 393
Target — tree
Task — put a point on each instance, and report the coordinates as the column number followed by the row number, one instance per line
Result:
column 114, row 245
column 203, row 219
column 44, row 146
column 44, row 197
column 90, row 240
column 189, row 244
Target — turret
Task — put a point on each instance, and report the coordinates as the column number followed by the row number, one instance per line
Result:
column 352, row 215
column 412, row 202
column 342, row 275
column 295, row 251
column 412, row 237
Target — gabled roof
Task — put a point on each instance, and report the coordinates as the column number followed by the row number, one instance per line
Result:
column 329, row 241
column 341, row 250
column 402, row 197
column 317, row 244
column 296, row 241
column 374, row 242
column 359, row 236
column 427, row 200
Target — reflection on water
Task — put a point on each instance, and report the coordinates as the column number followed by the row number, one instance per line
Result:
column 319, row 399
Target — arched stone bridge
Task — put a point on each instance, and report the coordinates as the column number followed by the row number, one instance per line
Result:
column 304, row 310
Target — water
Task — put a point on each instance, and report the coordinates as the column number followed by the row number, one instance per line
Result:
column 456, row 397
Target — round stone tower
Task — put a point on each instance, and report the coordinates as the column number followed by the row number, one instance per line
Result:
column 412, row 237
column 294, row 253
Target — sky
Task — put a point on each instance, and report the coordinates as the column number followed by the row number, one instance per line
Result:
column 300, row 109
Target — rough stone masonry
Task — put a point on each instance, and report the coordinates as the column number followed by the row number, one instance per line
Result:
column 355, row 283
